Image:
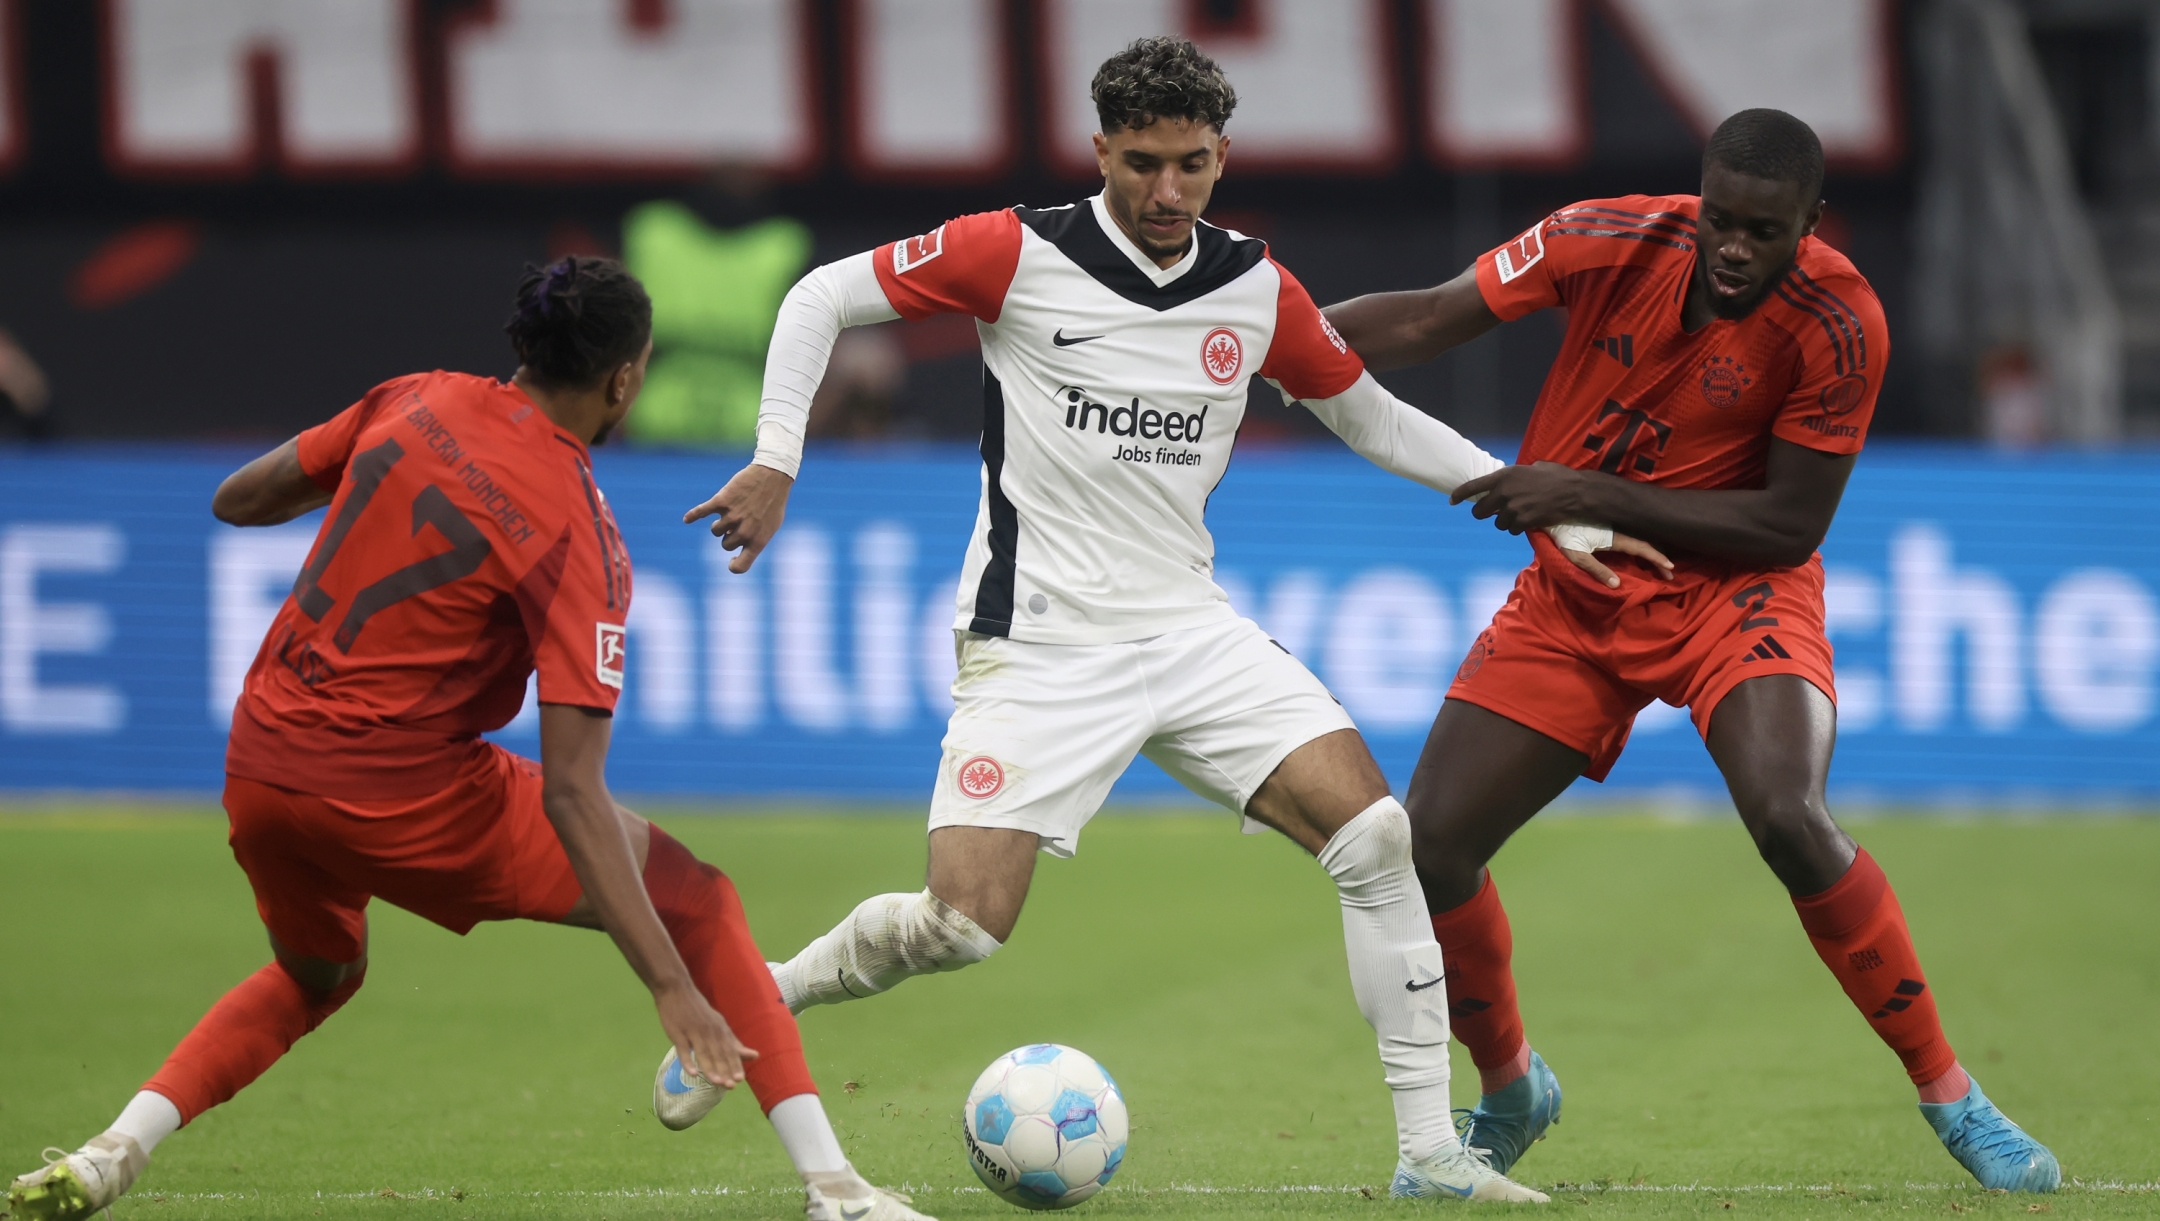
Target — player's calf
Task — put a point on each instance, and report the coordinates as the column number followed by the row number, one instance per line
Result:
column 886, row 939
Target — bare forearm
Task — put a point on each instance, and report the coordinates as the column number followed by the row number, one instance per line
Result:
column 269, row 491
column 599, row 850
column 1742, row 527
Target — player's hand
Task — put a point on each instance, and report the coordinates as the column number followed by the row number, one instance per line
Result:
column 747, row 512
column 1525, row 498
column 703, row 1042
column 1626, row 545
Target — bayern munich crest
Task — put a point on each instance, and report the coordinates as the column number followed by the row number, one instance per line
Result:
column 979, row 777
column 1221, row 355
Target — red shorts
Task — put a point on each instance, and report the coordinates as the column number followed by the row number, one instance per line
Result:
column 482, row 849
column 1576, row 662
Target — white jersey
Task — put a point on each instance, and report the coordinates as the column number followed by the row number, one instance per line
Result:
column 1112, row 394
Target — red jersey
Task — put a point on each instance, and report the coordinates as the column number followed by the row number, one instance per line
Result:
column 467, row 546
column 1634, row 395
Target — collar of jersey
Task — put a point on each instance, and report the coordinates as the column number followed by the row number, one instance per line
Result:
column 1158, row 276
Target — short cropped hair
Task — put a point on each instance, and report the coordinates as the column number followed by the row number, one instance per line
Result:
column 1771, row 145
column 576, row 319
column 1163, row 77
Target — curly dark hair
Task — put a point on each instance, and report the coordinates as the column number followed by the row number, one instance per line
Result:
column 577, row 319
column 1164, row 77
column 1771, row 145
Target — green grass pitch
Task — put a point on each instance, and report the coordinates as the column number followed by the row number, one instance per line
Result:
column 1712, row 1067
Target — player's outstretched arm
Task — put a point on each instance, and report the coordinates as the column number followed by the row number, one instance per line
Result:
column 748, row 511
column 573, row 755
column 1776, row 526
column 1402, row 440
column 1394, row 330
column 271, row 490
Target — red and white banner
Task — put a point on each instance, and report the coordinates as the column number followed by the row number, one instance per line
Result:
column 1827, row 61
column 927, row 89
column 564, row 85
column 1505, row 82
column 190, row 82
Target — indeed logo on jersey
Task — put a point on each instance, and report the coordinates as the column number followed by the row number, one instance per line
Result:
column 1131, row 420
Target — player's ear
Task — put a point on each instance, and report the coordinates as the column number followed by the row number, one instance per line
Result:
column 1222, row 156
column 1102, row 154
column 1814, row 217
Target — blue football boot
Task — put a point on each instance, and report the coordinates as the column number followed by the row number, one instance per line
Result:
column 1505, row 1124
column 1996, row 1151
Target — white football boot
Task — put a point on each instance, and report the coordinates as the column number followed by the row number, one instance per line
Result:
column 678, row 1100
column 79, row 1184
column 1458, row 1174
column 880, row 1205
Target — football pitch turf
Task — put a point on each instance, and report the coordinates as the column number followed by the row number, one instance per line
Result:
column 1711, row 1064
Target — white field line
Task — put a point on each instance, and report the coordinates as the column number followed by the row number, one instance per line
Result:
column 1204, row 1189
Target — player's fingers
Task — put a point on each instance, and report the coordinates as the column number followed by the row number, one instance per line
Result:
column 1629, row 545
column 1480, row 484
column 745, row 558
column 1589, row 563
column 706, row 509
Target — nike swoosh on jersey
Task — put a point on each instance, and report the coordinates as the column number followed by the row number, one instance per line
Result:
column 1060, row 340
column 1415, row 986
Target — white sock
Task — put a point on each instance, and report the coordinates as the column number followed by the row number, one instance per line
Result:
column 807, row 1136
column 886, row 939
column 1395, row 970
column 149, row 1118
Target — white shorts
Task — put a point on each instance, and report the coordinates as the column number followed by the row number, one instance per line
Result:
column 1040, row 732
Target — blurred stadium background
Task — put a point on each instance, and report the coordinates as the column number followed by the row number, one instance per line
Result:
column 222, row 220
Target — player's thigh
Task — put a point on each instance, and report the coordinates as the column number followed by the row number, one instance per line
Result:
column 1038, row 735
column 1233, row 708
column 480, row 849
column 314, row 910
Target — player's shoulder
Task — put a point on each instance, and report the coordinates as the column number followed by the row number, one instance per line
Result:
column 1826, row 303
column 1623, row 229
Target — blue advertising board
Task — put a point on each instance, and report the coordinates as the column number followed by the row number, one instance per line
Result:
column 1996, row 620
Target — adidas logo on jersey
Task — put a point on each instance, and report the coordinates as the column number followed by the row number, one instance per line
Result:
column 1132, row 420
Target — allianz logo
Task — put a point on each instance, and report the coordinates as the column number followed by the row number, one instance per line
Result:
column 1130, row 420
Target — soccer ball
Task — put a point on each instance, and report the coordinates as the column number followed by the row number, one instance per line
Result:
column 1045, row 1126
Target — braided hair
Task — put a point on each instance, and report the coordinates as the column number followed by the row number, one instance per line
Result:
column 576, row 319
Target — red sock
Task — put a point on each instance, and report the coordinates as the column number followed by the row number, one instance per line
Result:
column 705, row 917
column 241, row 1037
column 1476, row 944
column 1859, row 932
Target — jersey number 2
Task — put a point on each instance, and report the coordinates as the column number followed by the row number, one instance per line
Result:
column 469, row 548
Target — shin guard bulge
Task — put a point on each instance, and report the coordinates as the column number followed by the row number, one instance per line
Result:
column 1480, row 947
column 1396, row 970
column 704, row 916
column 1859, row 931
column 241, row 1037
column 886, row 939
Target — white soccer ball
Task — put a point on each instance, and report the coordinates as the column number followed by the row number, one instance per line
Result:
column 1045, row 1126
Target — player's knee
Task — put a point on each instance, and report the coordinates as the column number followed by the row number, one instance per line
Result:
column 1447, row 868
column 325, row 986
column 1796, row 838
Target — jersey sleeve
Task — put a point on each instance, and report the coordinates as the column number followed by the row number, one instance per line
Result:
column 1844, row 348
column 1519, row 277
column 326, row 448
column 963, row 266
column 584, row 642
column 1307, row 358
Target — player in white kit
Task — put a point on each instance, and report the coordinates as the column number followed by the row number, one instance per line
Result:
column 1118, row 337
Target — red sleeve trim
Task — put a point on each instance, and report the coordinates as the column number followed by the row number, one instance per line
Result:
column 964, row 266
column 1307, row 358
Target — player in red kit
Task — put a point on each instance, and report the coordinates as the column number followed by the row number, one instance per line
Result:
column 1715, row 385
column 466, row 547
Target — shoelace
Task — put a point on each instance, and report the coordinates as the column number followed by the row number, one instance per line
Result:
column 1989, row 1131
